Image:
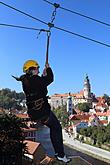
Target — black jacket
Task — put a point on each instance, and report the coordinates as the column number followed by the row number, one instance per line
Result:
column 35, row 87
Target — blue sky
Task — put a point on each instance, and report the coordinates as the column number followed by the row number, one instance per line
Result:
column 70, row 57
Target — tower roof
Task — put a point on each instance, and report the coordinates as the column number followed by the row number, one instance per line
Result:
column 86, row 78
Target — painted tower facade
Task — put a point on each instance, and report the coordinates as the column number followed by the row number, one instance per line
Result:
column 69, row 104
column 87, row 87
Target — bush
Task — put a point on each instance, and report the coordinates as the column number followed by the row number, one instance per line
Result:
column 11, row 140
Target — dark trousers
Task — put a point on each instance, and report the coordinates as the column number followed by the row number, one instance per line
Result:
column 55, row 134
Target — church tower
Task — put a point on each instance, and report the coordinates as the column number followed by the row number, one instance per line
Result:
column 87, row 87
column 69, row 104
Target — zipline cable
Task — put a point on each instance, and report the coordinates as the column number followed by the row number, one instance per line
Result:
column 22, row 12
column 67, row 31
column 22, row 27
column 82, row 15
column 76, row 34
column 59, row 28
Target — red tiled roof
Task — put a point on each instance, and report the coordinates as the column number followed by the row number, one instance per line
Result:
column 97, row 110
column 100, row 99
column 103, row 113
column 82, row 117
column 77, row 95
column 101, row 105
column 23, row 116
column 103, row 122
column 93, row 116
column 76, row 124
column 108, row 113
column 60, row 95
column 32, row 146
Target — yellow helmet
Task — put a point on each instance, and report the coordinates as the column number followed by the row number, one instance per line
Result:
column 28, row 64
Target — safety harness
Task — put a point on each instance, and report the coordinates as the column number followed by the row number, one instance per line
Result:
column 36, row 105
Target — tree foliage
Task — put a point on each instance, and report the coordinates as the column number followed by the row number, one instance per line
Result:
column 62, row 115
column 11, row 140
column 10, row 99
column 107, row 99
column 83, row 107
column 100, row 134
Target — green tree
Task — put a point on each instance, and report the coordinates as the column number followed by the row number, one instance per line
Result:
column 106, row 134
column 10, row 99
column 62, row 115
column 100, row 135
column 83, row 107
column 11, row 140
column 107, row 99
column 83, row 131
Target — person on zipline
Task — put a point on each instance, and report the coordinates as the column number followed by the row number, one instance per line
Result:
column 39, row 110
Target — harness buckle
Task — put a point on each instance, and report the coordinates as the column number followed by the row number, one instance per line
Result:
column 38, row 104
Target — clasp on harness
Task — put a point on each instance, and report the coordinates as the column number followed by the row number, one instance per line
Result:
column 38, row 104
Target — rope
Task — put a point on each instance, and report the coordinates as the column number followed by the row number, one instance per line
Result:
column 47, row 49
column 50, row 25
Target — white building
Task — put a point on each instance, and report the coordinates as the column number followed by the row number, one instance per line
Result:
column 84, row 96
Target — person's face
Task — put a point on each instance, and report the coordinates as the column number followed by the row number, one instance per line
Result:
column 35, row 71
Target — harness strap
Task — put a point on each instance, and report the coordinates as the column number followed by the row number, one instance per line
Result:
column 36, row 105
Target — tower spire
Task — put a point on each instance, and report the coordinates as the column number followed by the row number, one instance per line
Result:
column 87, row 87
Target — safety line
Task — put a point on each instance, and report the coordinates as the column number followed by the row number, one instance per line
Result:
column 74, row 12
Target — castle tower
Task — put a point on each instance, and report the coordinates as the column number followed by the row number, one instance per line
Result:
column 87, row 87
column 69, row 104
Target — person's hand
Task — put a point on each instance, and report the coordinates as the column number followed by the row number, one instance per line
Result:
column 44, row 72
column 47, row 65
